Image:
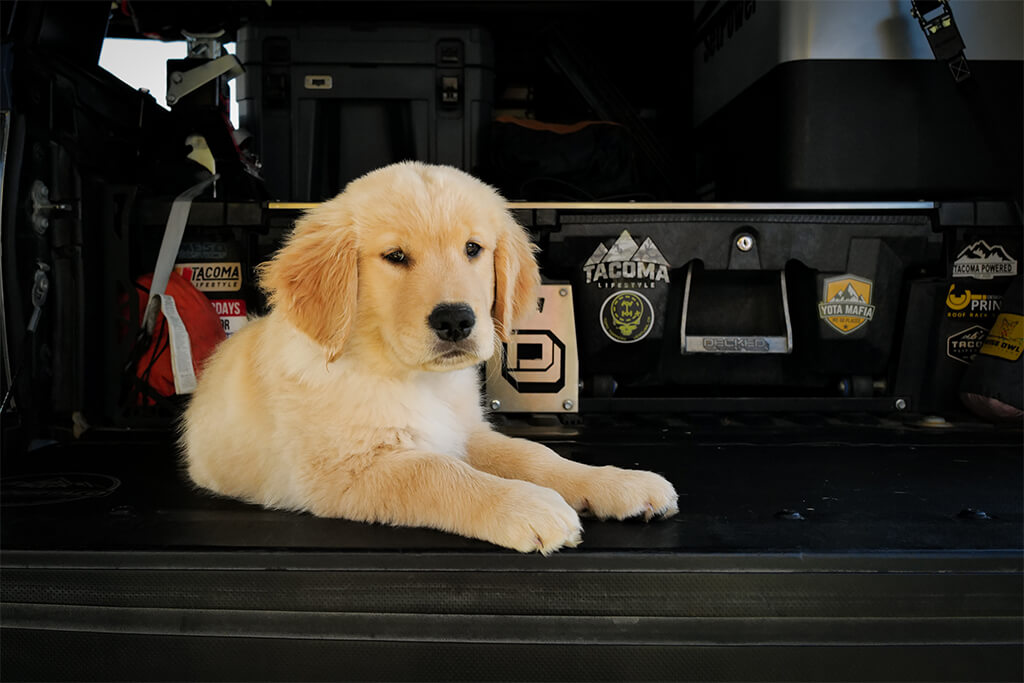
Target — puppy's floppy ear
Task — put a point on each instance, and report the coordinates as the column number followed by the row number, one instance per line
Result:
column 313, row 279
column 516, row 276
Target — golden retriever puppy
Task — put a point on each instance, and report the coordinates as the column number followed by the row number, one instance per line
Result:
column 358, row 395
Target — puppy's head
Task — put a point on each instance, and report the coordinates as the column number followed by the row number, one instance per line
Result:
column 420, row 266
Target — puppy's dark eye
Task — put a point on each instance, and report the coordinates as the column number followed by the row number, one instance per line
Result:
column 473, row 249
column 396, row 256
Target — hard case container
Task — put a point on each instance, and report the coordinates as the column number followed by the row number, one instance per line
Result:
column 326, row 104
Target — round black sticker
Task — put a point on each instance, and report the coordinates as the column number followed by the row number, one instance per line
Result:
column 49, row 489
column 627, row 316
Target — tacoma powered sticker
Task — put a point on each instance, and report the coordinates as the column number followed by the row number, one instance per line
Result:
column 984, row 262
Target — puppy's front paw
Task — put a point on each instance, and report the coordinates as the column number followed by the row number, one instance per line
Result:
column 535, row 518
column 611, row 492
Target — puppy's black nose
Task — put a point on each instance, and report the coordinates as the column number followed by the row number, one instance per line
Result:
column 452, row 322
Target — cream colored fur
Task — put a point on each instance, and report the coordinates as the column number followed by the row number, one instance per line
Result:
column 343, row 402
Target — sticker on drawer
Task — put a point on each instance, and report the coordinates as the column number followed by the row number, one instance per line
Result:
column 984, row 262
column 232, row 314
column 971, row 304
column 1006, row 338
column 625, row 265
column 965, row 344
column 846, row 302
column 627, row 317
column 212, row 277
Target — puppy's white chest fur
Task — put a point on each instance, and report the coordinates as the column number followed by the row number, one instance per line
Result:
column 437, row 423
column 431, row 411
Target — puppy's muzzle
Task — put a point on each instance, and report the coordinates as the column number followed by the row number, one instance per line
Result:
column 452, row 322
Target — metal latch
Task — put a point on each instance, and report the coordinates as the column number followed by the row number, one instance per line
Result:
column 43, row 208
column 450, row 90
column 182, row 83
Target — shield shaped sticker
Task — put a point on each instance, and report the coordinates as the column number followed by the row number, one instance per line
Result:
column 846, row 303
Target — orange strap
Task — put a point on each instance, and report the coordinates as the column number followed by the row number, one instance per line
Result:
column 560, row 128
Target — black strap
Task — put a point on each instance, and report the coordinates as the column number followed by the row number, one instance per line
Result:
column 936, row 20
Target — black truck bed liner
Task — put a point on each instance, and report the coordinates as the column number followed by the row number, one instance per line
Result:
column 840, row 551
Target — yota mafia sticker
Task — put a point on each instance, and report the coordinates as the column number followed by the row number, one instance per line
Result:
column 626, row 265
column 984, row 262
column 627, row 317
column 846, row 303
column 1006, row 338
column 965, row 344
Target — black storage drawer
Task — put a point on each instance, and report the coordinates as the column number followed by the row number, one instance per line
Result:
column 736, row 281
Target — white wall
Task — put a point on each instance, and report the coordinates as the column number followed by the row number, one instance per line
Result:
column 143, row 64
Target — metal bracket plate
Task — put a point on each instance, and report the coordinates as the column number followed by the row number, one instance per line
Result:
column 538, row 370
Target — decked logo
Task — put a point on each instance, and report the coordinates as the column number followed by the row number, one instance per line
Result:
column 846, row 303
column 965, row 344
column 626, row 265
column 980, row 261
column 627, row 317
column 534, row 362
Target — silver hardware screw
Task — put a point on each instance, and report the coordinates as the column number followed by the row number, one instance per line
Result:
column 901, row 404
column 744, row 242
column 176, row 77
column 495, row 404
column 567, row 404
column 564, row 291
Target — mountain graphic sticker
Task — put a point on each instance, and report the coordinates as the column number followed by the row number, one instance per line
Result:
column 984, row 262
column 623, row 249
column 624, row 260
column 846, row 303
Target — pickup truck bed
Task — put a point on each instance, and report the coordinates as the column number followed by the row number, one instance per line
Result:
column 805, row 548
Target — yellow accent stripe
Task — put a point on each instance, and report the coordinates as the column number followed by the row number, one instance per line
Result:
column 683, row 206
